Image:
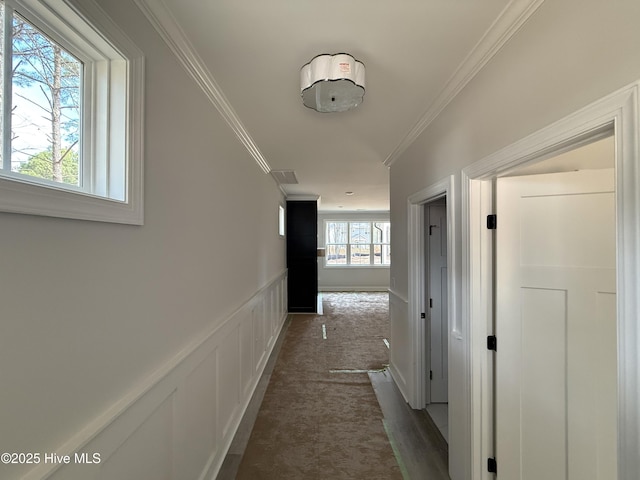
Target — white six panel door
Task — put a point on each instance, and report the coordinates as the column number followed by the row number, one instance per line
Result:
column 556, row 402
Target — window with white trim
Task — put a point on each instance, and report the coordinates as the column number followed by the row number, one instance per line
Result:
column 357, row 243
column 281, row 223
column 70, row 113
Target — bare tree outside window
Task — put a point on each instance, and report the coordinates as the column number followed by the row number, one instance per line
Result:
column 357, row 243
column 71, row 113
column 45, row 111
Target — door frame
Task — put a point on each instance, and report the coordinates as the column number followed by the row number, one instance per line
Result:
column 617, row 113
column 416, row 258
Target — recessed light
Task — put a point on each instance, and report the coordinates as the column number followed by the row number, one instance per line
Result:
column 348, row 193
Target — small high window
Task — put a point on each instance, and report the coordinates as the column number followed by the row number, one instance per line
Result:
column 281, row 223
column 70, row 113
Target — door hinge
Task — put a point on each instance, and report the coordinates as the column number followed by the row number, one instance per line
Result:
column 423, row 315
column 430, row 374
column 492, row 343
column 492, row 465
column 431, row 303
column 492, row 222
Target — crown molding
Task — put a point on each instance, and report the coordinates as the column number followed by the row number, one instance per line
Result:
column 284, row 192
column 510, row 20
column 173, row 35
column 303, row 197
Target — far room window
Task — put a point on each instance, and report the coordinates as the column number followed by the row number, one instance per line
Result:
column 70, row 113
column 357, row 243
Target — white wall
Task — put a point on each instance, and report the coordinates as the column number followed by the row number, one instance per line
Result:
column 333, row 278
column 570, row 53
column 143, row 343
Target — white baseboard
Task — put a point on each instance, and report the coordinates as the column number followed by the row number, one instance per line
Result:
column 351, row 288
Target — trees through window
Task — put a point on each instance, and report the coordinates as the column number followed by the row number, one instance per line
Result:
column 357, row 243
column 42, row 138
column 70, row 112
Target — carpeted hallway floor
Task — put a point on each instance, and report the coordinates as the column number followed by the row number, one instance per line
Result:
column 320, row 418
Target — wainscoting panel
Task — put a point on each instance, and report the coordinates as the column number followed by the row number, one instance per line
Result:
column 179, row 422
column 272, row 309
column 247, row 362
column 148, row 453
column 228, row 378
column 259, row 327
column 199, row 425
column 400, row 363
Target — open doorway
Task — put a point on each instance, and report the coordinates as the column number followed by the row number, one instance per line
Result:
column 436, row 312
column 420, row 392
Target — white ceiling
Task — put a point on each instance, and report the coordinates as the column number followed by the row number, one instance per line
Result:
column 418, row 54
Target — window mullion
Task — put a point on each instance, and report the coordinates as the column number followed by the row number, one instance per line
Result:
column 7, row 94
column 348, row 243
column 372, row 253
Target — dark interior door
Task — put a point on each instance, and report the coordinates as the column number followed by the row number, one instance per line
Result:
column 302, row 262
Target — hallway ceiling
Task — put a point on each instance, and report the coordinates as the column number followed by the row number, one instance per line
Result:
column 418, row 54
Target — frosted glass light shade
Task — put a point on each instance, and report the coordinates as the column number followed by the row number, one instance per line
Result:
column 332, row 83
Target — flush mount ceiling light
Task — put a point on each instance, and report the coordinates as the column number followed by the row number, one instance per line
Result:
column 332, row 83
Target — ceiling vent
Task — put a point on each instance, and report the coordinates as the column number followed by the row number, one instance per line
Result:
column 284, row 177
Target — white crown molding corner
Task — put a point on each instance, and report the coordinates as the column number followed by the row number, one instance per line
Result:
column 284, row 192
column 508, row 23
column 167, row 26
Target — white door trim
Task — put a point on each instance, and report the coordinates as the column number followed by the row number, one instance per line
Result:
column 620, row 112
column 416, row 258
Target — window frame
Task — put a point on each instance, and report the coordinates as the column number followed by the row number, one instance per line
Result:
column 112, row 150
column 281, row 221
column 370, row 245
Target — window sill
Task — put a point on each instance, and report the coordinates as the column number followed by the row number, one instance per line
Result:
column 32, row 199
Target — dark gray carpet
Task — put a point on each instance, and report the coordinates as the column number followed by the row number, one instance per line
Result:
column 314, row 422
